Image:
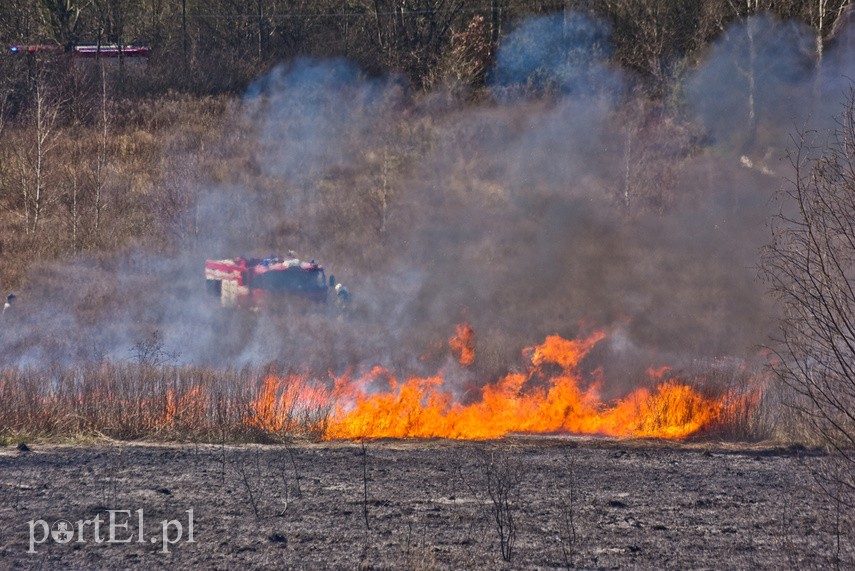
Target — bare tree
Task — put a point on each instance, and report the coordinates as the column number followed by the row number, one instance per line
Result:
column 101, row 157
column 651, row 36
column 364, row 456
column 822, row 15
column 113, row 17
column 810, row 266
column 63, row 19
column 381, row 193
column 656, row 147
column 33, row 158
column 503, row 479
column 252, row 480
column 749, row 70
column 4, row 98
column 412, row 33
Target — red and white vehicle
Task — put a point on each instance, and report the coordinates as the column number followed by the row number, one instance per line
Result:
column 256, row 282
column 85, row 51
column 110, row 51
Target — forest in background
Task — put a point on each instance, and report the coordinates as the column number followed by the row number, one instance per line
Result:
column 213, row 47
column 98, row 157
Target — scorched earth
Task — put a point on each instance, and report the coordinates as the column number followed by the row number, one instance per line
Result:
column 562, row 502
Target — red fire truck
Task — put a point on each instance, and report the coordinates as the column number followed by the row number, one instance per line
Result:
column 256, row 282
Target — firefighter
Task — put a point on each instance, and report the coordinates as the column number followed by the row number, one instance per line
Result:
column 342, row 295
column 10, row 299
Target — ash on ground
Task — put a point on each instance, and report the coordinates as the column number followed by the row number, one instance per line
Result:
column 590, row 503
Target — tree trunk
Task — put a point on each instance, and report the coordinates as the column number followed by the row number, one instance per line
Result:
column 101, row 159
column 45, row 117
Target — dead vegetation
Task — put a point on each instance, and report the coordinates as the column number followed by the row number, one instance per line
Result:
column 621, row 504
column 503, row 477
column 155, row 400
column 809, row 266
column 145, row 401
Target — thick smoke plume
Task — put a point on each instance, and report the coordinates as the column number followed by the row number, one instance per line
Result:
column 563, row 203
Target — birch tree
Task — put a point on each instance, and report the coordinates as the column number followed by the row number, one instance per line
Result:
column 33, row 158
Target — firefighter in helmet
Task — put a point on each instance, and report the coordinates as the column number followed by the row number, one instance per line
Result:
column 10, row 299
column 342, row 295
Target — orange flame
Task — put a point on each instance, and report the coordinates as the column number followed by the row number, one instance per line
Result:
column 462, row 344
column 289, row 404
column 552, row 395
column 563, row 352
column 187, row 408
column 534, row 402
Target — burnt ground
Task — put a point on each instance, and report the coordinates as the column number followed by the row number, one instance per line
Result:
column 586, row 503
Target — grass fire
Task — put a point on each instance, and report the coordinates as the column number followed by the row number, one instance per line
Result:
column 548, row 398
column 551, row 396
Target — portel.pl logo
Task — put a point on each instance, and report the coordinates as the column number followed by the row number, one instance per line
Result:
column 118, row 527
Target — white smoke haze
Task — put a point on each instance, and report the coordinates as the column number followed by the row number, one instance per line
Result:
column 562, row 204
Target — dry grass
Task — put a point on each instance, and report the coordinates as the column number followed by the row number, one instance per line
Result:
column 154, row 400
column 133, row 401
column 755, row 407
column 129, row 198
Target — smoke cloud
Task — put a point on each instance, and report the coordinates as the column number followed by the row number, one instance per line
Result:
column 561, row 205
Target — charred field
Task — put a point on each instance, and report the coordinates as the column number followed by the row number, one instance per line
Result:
column 592, row 503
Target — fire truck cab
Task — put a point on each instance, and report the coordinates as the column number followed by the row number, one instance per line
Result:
column 256, row 282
